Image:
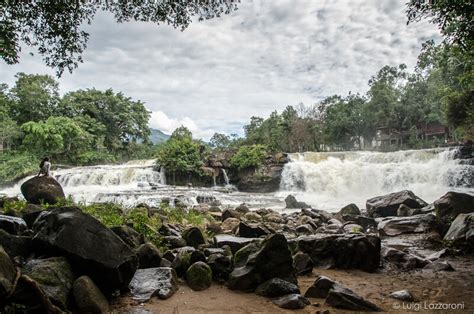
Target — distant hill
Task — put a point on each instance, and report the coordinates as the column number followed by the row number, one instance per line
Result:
column 157, row 136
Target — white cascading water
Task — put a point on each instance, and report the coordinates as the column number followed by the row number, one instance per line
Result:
column 332, row 180
column 226, row 178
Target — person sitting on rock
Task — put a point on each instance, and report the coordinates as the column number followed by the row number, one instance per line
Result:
column 45, row 167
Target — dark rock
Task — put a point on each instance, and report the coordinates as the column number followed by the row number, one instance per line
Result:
column 291, row 302
column 7, row 275
column 15, row 245
column 320, row 288
column 241, row 256
column 193, row 237
column 92, row 248
column 229, row 213
column 235, row 243
column 148, row 256
column 199, row 276
column 30, row 213
column 13, row 225
column 387, row 205
column 248, row 230
column 350, row 209
column 342, row 250
column 197, row 256
column 403, row 211
column 344, row 298
column 88, row 297
column 438, row 255
column 128, row 235
column 272, row 260
column 242, row 209
column 54, row 276
column 212, row 250
column 402, row 295
column 461, row 231
column 264, row 179
column 205, row 199
column 149, row 282
column 394, row 226
column 169, row 230
column 221, row 266
column 42, row 189
column 303, row 263
column 169, row 256
column 402, row 260
column 437, row 266
column 165, row 263
column 276, row 287
column 291, row 202
column 174, row 241
column 182, row 261
column 450, row 205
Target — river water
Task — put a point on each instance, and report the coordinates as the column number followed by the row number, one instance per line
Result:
column 324, row 180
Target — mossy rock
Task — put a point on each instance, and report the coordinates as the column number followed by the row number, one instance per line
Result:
column 241, row 256
column 199, row 276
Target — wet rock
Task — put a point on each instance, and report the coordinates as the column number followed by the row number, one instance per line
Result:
column 174, row 241
column 387, row 205
column 88, row 297
column 199, row 276
column 450, row 205
column 42, row 189
column 128, row 235
column 276, row 287
column 169, row 230
column 13, row 225
column 149, row 282
column 353, row 228
column 193, row 237
column 165, row 263
column 302, row 263
column 437, row 255
column 205, row 199
column 412, row 224
column 15, row 245
column 291, row 302
column 344, row 298
column 235, row 243
column 242, row 209
column 291, row 202
column 437, row 266
column 402, row 295
column 402, row 260
column 320, row 288
column 403, row 211
column 252, row 217
column 197, row 256
column 230, row 213
column 168, row 255
column 182, row 261
column 92, row 248
column 241, row 256
column 342, row 250
column 55, row 277
column 148, row 256
column 247, row 230
column 350, row 209
column 221, row 266
column 230, row 225
column 461, row 231
column 7, row 275
column 365, row 222
column 30, row 213
column 272, row 260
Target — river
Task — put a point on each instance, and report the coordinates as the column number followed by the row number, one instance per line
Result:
column 324, row 180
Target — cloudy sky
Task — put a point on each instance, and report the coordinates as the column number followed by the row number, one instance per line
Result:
column 268, row 54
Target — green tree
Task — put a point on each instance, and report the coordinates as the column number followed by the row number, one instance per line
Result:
column 124, row 120
column 33, row 98
column 220, row 141
column 57, row 28
column 249, row 156
column 9, row 132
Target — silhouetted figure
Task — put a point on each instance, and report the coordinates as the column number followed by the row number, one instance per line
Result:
column 45, row 167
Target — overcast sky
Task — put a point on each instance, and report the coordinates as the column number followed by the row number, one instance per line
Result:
column 268, row 54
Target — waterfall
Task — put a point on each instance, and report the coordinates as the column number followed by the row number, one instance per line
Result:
column 332, row 180
column 226, row 178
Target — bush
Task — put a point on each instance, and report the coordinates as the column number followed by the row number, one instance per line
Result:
column 14, row 166
column 249, row 156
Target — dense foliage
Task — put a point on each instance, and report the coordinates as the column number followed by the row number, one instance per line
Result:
column 83, row 127
column 249, row 156
column 56, row 29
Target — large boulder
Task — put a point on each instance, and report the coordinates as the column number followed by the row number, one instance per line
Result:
column 149, row 282
column 15, row 245
column 42, row 189
column 402, row 260
column 88, row 297
column 128, row 235
column 341, row 250
column 272, row 260
column 394, row 226
column 92, row 248
column 193, row 237
column 387, row 205
column 221, row 266
column 13, row 225
column 148, row 256
column 199, row 276
column 450, row 205
column 461, row 230
column 55, row 277
column 7, row 275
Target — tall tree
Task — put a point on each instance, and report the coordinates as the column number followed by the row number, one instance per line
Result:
column 56, row 27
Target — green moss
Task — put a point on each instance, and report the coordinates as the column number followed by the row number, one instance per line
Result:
column 199, row 276
column 241, row 256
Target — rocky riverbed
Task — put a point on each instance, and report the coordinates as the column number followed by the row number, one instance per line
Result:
column 399, row 253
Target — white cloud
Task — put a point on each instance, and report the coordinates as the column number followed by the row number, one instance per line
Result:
column 159, row 120
column 268, row 54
